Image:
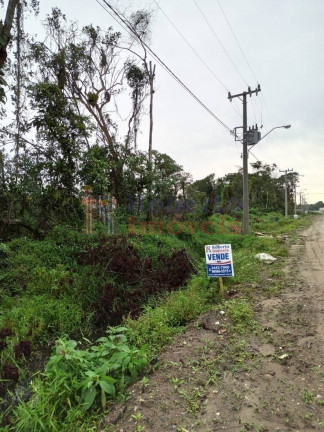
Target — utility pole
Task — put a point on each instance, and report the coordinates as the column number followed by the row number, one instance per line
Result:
column 286, row 191
column 300, row 202
column 245, row 155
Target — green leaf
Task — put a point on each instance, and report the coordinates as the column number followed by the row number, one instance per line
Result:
column 124, row 348
column 89, row 396
column 108, row 379
column 103, row 339
column 120, row 329
column 107, row 387
column 118, row 358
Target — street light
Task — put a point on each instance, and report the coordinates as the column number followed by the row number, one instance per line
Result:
column 246, row 223
column 277, row 127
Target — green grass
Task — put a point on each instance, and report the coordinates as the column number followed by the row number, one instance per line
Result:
column 159, row 323
column 242, row 316
column 46, row 294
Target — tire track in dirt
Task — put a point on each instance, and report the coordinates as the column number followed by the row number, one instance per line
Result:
column 313, row 271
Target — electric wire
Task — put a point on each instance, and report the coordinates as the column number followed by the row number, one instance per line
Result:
column 192, row 48
column 254, row 156
column 267, row 110
column 246, row 60
column 132, row 31
column 229, row 57
column 238, row 43
column 253, row 107
column 234, row 108
column 220, row 43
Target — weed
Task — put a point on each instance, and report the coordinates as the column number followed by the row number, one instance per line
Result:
column 76, row 379
column 176, row 382
column 144, row 382
column 241, row 314
column 308, row 396
column 137, row 417
column 139, row 428
column 192, row 400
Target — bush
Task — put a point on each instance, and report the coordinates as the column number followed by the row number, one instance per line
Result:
column 76, row 380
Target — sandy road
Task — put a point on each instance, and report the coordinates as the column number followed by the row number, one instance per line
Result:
column 312, row 270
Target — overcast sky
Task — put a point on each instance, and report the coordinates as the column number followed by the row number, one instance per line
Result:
column 283, row 42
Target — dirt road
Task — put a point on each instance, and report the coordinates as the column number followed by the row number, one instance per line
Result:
column 271, row 381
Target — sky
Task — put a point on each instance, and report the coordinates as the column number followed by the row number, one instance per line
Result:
column 278, row 44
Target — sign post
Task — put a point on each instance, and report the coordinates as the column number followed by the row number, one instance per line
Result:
column 219, row 262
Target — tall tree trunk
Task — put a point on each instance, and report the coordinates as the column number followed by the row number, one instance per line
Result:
column 18, row 88
column 5, row 31
column 2, row 171
column 151, row 80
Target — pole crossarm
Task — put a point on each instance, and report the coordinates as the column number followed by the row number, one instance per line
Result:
column 249, row 92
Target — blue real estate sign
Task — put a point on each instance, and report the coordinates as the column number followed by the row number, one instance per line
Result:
column 219, row 260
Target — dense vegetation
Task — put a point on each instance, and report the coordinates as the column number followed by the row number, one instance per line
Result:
column 66, row 135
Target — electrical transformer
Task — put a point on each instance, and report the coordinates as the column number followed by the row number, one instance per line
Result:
column 253, row 136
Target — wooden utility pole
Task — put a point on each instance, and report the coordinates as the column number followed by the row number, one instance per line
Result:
column 245, row 156
column 286, row 191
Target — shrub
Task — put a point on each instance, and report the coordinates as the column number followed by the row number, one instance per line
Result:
column 76, row 380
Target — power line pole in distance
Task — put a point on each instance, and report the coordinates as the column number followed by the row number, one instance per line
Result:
column 245, row 154
column 286, row 191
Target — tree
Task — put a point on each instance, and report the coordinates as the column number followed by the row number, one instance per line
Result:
column 5, row 30
column 137, row 80
column 89, row 67
column 316, row 206
column 5, row 34
column 64, row 131
column 140, row 22
column 265, row 191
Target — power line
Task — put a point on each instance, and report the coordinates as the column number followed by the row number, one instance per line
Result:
column 114, row 18
column 219, row 41
column 131, row 29
column 235, row 109
column 253, row 107
column 254, row 156
column 192, row 48
column 245, row 58
column 267, row 110
column 238, row 43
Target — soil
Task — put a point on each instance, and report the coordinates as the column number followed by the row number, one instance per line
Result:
column 272, row 379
